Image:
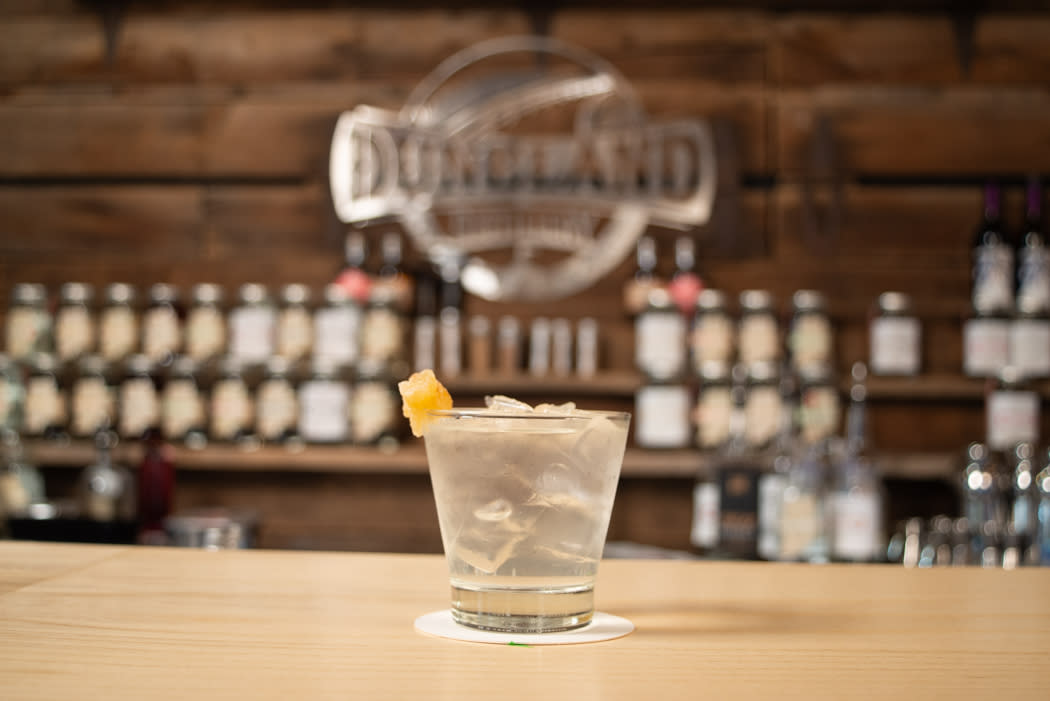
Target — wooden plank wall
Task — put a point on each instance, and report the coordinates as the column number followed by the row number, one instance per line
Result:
column 198, row 152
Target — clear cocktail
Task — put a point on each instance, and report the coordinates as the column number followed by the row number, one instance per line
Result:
column 524, row 499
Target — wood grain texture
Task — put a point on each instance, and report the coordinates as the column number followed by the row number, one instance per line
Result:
column 324, row 625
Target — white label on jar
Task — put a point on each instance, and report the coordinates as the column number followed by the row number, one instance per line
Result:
column 74, row 332
column 811, row 340
column 183, row 408
column 295, row 331
column 118, row 332
column 205, row 333
column 425, row 349
column 251, row 333
column 92, row 406
column 231, row 409
column 139, row 407
column 43, row 405
column 762, row 411
column 712, row 339
column 895, row 345
column 1030, row 347
column 24, row 328
column 713, row 412
column 856, row 531
column 660, row 344
column 704, row 531
column 800, row 524
column 770, row 495
column 820, row 413
column 986, row 346
column 372, row 411
column 336, row 334
column 323, row 406
column 276, row 409
column 1012, row 417
column 381, row 334
column 160, row 333
column 758, row 338
column 663, row 417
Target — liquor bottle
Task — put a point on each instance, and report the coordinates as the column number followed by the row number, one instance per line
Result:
column 21, row 483
column 857, row 501
column 1011, row 417
column 252, row 324
column 106, row 492
column 156, row 488
column 810, row 337
column 986, row 336
column 353, row 278
column 803, row 525
column 1030, row 329
column 424, row 332
column 739, row 470
column 714, row 417
column 1023, row 500
column 337, row 328
column 392, row 277
column 636, row 292
column 713, row 332
column 685, row 284
column 772, row 482
column 1042, row 534
column 660, row 338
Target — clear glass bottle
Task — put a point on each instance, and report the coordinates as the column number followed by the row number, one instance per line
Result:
column 713, row 415
column 659, row 338
column 383, row 330
column 92, row 400
column 232, row 410
column 28, row 323
column 857, row 503
column 295, row 325
column 982, row 501
column 106, row 490
column 1023, row 505
column 337, row 329
column 636, row 291
column 183, row 414
column 374, row 407
column 758, row 334
column 772, row 482
column 12, row 394
column 895, row 337
column 74, row 322
column 252, row 325
column 44, row 413
column 118, row 323
column 1030, row 328
column 355, row 282
column 1042, row 535
column 392, row 280
column 820, row 408
column 713, row 334
column 810, row 340
column 277, row 406
column 138, row 400
column 21, row 483
column 803, row 520
column 161, row 327
column 206, row 324
column 986, row 336
column 324, row 404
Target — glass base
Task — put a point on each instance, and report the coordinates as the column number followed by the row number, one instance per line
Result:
column 523, row 610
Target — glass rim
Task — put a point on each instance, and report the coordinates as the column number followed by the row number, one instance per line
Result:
column 485, row 413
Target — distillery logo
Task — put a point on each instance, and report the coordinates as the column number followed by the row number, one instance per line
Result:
column 527, row 163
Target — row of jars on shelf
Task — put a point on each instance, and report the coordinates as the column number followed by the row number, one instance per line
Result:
column 338, row 330
column 195, row 404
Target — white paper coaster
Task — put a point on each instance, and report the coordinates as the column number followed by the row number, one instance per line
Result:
column 603, row 626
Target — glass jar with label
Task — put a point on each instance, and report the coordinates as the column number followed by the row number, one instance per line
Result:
column 74, row 322
column 383, row 329
column 276, row 405
column 12, row 395
column 375, row 415
column 231, row 411
column 820, row 408
column 337, row 329
column 205, row 324
column 28, row 324
column 324, row 404
column 138, row 400
column 810, row 339
column 896, row 337
column 763, row 406
column 183, row 414
column 44, row 414
column 252, row 324
column 92, row 400
column 659, row 338
column 118, row 323
column 713, row 332
column 662, row 410
column 714, row 406
column 758, row 333
column 295, row 325
column 161, row 328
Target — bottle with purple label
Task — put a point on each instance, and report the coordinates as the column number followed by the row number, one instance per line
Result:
column 1030, row 329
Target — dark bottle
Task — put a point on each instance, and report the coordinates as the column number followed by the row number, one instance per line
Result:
column 685, row 284
column 391, row 276
column 636, row 291
column 353, row 278
column 1030, row 329
column 993, row 259
column 156, row 488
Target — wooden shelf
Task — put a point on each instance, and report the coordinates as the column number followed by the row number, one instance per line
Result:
column 410, row 459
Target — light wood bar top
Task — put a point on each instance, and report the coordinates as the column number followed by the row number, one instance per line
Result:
column 103, row 622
